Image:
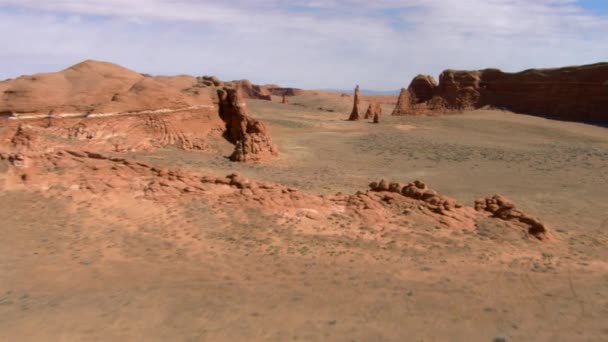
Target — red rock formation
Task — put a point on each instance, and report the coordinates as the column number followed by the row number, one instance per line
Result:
column 376, row 118
column 422, row 88
column 279, row 91
column 251, row 91
column 284, row 99
column 419, row 191
column 251, row 137
column 502, row 208
column 24, row 138
column 405, row 104
column 373, row 109
column 577, row 93
column 355, row 115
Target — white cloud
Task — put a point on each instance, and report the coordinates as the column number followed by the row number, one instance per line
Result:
column 307, row 43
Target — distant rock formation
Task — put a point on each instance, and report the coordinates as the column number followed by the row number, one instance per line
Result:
column 284, row 99
column 355, row 115
column 373, row 110
column 250, row 91
column 251, row 137
column 578, row 93
column 210, row 81
column 279, row 91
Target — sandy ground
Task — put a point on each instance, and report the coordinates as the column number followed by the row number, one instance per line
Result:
column 122, row 268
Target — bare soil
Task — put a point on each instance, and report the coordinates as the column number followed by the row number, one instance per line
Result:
column 119, row 266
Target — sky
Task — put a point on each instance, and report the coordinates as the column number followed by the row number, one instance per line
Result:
column 313, row 44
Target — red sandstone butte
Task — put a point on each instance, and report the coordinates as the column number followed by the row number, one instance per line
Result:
column 577, row 93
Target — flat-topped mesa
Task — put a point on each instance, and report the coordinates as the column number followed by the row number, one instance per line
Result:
column 578, row 93
column 355, row 115
column 373, row 109
column 251, row 137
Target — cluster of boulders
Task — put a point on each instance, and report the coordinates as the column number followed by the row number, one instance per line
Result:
column 251, row 136
column 419, row 191
column 503, row 208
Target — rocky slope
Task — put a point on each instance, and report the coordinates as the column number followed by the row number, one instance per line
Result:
column 93, row 87
column 105, row 107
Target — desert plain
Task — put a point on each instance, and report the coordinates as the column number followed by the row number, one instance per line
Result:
column 154, row 242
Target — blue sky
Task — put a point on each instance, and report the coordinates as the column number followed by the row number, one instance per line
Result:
column 595, row 6
column 378, row 44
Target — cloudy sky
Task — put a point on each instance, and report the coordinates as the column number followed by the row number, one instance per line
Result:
column 379, row 44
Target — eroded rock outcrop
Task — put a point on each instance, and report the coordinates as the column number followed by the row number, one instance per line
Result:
column 422, row 88
column 504, row 209
column 498, row 206
column 578, row 93
column 280, row 91
column 373, row 110
column 24, row 138
column 250, row 90
column 284, row 100
column 419, row 191
column 405, row 104
column 251, row 137
column 355, row 114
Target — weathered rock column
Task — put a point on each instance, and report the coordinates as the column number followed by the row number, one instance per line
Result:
column 355, row 115
column 251, row 137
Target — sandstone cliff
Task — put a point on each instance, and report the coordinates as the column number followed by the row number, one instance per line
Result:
column 578, row 93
